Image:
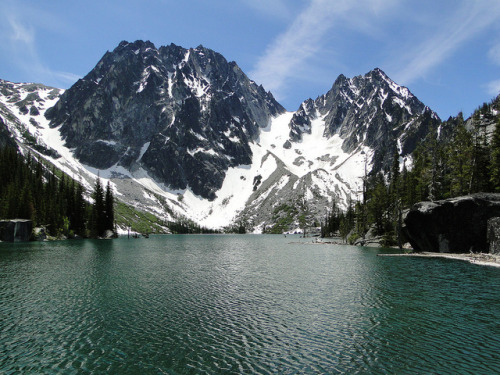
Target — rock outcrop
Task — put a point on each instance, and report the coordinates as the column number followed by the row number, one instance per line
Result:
column 16, row 230
column 457, row 225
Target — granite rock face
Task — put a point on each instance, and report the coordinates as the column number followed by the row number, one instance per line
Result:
column 183, row 115
column 457, row 225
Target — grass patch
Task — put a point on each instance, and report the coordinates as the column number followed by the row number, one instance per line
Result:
column 138, row 221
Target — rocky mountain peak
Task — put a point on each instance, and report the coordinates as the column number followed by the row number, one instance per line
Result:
column 370, row 110
column 183, row 115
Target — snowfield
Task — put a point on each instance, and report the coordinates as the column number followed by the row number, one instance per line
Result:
column 321, row 160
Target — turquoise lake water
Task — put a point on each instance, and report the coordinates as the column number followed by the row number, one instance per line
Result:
column 242, row 304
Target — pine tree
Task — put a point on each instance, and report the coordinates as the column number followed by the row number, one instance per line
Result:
column 396, row 197
column 378, row 204
column 26, row 208
column 80, row 211
column 479, row 179
column 461, row 157
column 109, row 208
column 395, row 173
column 98, row 219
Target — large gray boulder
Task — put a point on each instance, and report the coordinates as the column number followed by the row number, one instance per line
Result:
column 15, row 230
column 457, row 225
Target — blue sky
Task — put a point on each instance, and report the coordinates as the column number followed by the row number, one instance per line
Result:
column 446, row 52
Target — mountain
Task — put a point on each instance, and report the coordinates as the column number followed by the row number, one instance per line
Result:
column 22, row 109
column 183, row 133
column 184, row 115
column 371, row 110
column 324, row 149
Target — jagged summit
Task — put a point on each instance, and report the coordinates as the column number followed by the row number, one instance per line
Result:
column 136, row 44
column 371, row 110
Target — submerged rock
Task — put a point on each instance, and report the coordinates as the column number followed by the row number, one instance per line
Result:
column 457, row 225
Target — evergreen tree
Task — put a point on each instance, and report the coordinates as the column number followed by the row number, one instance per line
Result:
column 31, row 191
column 395, row 197
column 479, row 179
column 378, row 204
column 461, row 157
column 98, row 218
column 79, row 217
column 495, row 159
column 395, row 173
column 109, row 208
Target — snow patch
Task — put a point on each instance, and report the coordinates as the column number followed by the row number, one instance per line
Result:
column 402, row 104
column 202, row 150
column 197, row 135
column 144, row 148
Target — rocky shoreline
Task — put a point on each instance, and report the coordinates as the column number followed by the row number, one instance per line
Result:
column 475, row 258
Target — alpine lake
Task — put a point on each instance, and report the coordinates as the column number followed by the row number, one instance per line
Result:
column 242, row 304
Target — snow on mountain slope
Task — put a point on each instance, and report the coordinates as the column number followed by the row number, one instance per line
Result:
column 184, row 115
column 22, row 108
column 246, row 189
column 188, row 135
column 331, row 171
column 271, row 163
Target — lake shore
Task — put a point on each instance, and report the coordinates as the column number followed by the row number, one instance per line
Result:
column 483, row 259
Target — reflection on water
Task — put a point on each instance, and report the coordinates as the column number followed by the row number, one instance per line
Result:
column 241, row 304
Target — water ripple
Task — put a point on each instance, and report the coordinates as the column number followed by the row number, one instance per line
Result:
column 241, row 304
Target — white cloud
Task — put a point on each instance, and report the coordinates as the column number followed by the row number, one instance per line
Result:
column 66, row 76
column 341, row 29
column 292, row 48
column 469, row 19
column 494, row 87
column 19, row 34
column 290, row 51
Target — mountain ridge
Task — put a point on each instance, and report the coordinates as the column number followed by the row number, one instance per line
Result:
column 185, row 133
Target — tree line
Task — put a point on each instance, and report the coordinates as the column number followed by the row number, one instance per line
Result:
column 31, row 190
column 454, row 159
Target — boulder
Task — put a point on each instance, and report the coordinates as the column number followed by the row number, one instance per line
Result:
column 457, row 225
column 370, row 239
column 109, row 234
column 40, row 234
column 15, row 230
column 494, row 235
